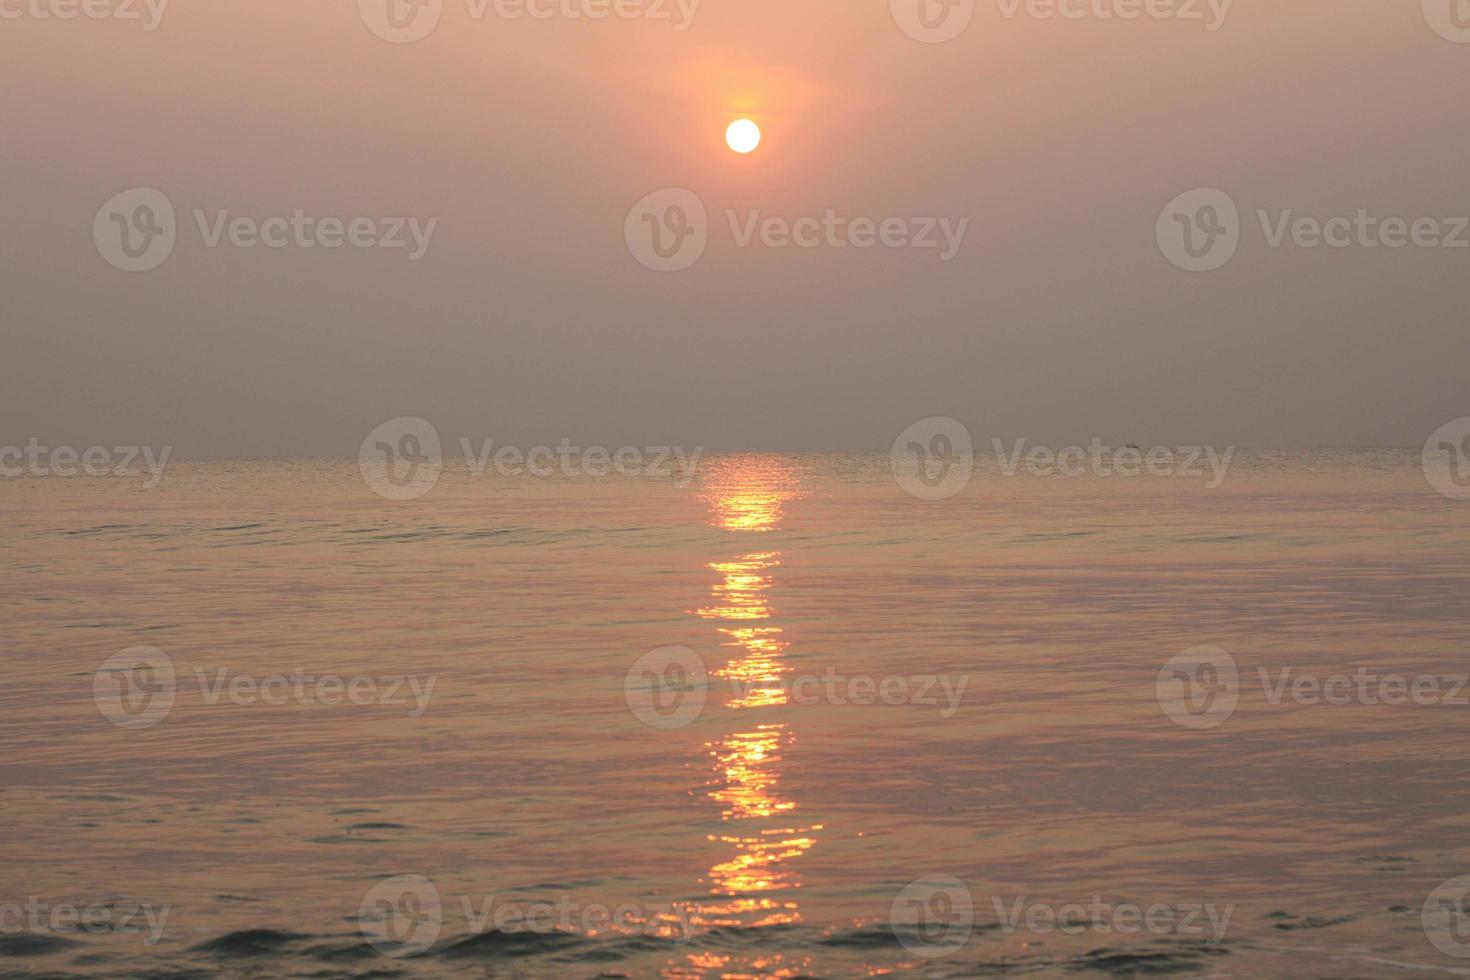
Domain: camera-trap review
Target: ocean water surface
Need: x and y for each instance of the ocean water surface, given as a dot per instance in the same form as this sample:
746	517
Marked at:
787	720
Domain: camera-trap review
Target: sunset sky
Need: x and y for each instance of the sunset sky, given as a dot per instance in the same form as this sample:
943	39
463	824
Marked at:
528	320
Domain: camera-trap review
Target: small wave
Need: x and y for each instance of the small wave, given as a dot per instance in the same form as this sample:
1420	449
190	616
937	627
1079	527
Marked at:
1313	922
377	826
1125	963
738	937
1222	538
99	529
30	944
344	839
495	944
250	942
869	937
343	952
622	948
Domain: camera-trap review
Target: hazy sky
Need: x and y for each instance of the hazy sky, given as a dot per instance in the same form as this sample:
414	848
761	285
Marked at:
528	318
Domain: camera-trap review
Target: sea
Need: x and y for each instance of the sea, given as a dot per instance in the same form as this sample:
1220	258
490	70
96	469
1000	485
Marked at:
800	715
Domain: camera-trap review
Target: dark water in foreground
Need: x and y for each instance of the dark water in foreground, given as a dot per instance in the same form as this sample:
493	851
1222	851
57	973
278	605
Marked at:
444	736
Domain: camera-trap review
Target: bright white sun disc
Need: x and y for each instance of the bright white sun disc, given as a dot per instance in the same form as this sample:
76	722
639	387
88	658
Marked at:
743	136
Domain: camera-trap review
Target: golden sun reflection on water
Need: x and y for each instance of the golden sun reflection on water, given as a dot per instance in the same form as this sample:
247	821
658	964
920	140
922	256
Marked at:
747	495
746	764
740	603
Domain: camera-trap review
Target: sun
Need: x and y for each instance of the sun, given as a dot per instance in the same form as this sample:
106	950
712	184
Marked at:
743	136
